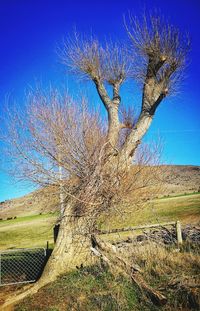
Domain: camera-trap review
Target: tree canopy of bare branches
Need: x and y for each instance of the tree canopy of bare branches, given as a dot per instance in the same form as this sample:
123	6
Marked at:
63	142
155	55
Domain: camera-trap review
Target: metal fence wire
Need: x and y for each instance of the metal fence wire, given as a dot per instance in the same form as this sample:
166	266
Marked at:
21	265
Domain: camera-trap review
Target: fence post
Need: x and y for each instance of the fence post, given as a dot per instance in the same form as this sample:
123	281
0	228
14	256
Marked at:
55	232
179	233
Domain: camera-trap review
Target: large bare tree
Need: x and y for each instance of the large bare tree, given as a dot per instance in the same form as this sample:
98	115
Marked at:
66	145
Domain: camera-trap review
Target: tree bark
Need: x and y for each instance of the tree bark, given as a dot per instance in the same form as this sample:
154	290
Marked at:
72	248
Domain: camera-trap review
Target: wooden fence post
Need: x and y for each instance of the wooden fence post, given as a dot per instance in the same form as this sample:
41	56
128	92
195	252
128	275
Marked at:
179	233
55	232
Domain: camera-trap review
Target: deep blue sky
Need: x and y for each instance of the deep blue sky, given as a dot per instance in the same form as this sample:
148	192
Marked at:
30	31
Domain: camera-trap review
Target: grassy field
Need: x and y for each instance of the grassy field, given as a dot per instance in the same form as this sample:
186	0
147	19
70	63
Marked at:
36	230
184	208
29	231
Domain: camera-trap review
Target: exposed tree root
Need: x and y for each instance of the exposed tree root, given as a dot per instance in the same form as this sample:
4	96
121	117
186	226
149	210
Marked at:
25	292
107	252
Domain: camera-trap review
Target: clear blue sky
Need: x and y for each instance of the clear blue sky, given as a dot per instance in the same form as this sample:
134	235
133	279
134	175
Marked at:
30	31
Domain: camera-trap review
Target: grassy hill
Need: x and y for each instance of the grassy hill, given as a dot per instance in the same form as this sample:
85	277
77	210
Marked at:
36	230
40	201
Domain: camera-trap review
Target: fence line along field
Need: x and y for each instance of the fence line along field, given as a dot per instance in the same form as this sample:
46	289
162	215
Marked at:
36	230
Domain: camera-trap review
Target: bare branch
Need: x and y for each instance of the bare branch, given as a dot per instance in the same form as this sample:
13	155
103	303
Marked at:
162	50
88	57
108	63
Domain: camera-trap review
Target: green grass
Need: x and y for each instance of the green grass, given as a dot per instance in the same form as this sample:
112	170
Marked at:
184	208
26	218
180	195
29	231
91	288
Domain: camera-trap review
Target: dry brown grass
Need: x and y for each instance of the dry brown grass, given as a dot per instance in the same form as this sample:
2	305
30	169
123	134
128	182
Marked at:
175	273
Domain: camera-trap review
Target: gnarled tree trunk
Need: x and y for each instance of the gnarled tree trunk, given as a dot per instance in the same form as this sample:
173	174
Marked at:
72	248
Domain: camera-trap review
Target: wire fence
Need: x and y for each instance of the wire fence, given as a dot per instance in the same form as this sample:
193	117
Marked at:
21	265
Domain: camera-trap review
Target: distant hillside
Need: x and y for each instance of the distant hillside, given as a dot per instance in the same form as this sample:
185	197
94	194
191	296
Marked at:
181	178
177	179
40	201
